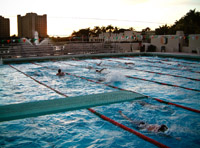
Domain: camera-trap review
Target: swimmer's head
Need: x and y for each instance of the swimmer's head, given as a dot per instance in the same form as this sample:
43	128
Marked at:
142	122
59	70
162	128
142	103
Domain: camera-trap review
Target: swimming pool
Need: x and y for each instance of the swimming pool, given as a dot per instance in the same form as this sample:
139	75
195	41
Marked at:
81	128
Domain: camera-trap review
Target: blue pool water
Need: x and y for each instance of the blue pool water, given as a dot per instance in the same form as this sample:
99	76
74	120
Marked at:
81	128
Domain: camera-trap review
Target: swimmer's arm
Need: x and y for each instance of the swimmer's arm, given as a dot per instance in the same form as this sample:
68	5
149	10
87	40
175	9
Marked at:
169	136
102	69
125	117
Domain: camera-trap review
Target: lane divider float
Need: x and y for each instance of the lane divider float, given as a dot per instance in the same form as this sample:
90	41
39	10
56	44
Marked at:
128	129
167	60
161	83
102	116
132	68
164	67
159	100
161	62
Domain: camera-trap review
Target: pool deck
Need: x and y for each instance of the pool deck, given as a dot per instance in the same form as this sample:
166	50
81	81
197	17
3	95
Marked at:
103	55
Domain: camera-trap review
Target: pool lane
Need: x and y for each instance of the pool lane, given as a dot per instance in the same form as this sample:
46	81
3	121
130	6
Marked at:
159	100
49	110
161	83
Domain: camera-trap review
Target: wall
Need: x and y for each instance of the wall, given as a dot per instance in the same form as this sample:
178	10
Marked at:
194	43
172	43
128	47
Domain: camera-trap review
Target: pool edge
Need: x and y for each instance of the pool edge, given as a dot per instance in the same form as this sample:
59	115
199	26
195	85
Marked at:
102	55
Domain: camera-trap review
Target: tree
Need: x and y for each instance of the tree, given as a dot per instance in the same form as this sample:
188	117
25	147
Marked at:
145	30
109	29
131	29
96	31
162	30
103	29
116	30
190	24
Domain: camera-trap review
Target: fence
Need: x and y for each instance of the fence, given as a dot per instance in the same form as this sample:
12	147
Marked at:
25	50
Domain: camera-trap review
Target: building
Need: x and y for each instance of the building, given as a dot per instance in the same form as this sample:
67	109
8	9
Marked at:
31	23
177	43
168	43
194	43
4	27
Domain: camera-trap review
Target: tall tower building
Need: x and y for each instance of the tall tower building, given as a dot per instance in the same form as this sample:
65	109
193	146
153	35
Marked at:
4	27
30	23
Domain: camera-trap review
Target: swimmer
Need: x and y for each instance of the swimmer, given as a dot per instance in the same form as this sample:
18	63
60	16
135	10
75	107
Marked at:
100	70
101	79
143	103
155	128
129	63
98	64
60	73
161	130
90	67
155	107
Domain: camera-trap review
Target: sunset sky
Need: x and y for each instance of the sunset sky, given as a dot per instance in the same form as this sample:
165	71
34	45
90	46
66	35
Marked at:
64	16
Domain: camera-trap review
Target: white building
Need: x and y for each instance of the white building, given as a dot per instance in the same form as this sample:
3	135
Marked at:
194	43
168	43
177	43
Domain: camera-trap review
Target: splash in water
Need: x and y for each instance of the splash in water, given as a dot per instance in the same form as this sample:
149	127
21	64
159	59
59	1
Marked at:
114	76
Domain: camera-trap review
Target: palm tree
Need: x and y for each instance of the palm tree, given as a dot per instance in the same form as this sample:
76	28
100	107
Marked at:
147	29
116	30
103	29
96	31
162	30
131	29
109	29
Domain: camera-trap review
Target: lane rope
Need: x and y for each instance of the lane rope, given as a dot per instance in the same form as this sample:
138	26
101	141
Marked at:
36	80
148	139
167	60
161	83
163	67
160	62
132	68
159	100
128	129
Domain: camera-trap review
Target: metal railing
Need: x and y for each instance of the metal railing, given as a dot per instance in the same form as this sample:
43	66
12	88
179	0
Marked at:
26	50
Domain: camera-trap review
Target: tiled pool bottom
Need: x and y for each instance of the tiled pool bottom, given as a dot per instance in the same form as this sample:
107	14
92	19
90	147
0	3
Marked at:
81	128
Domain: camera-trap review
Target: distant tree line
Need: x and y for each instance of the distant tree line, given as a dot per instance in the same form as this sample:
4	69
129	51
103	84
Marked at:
98	30
190	24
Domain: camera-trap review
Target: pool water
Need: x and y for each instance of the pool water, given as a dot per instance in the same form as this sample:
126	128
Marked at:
81	128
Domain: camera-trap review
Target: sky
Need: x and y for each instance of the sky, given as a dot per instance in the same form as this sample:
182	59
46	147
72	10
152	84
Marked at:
66	16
